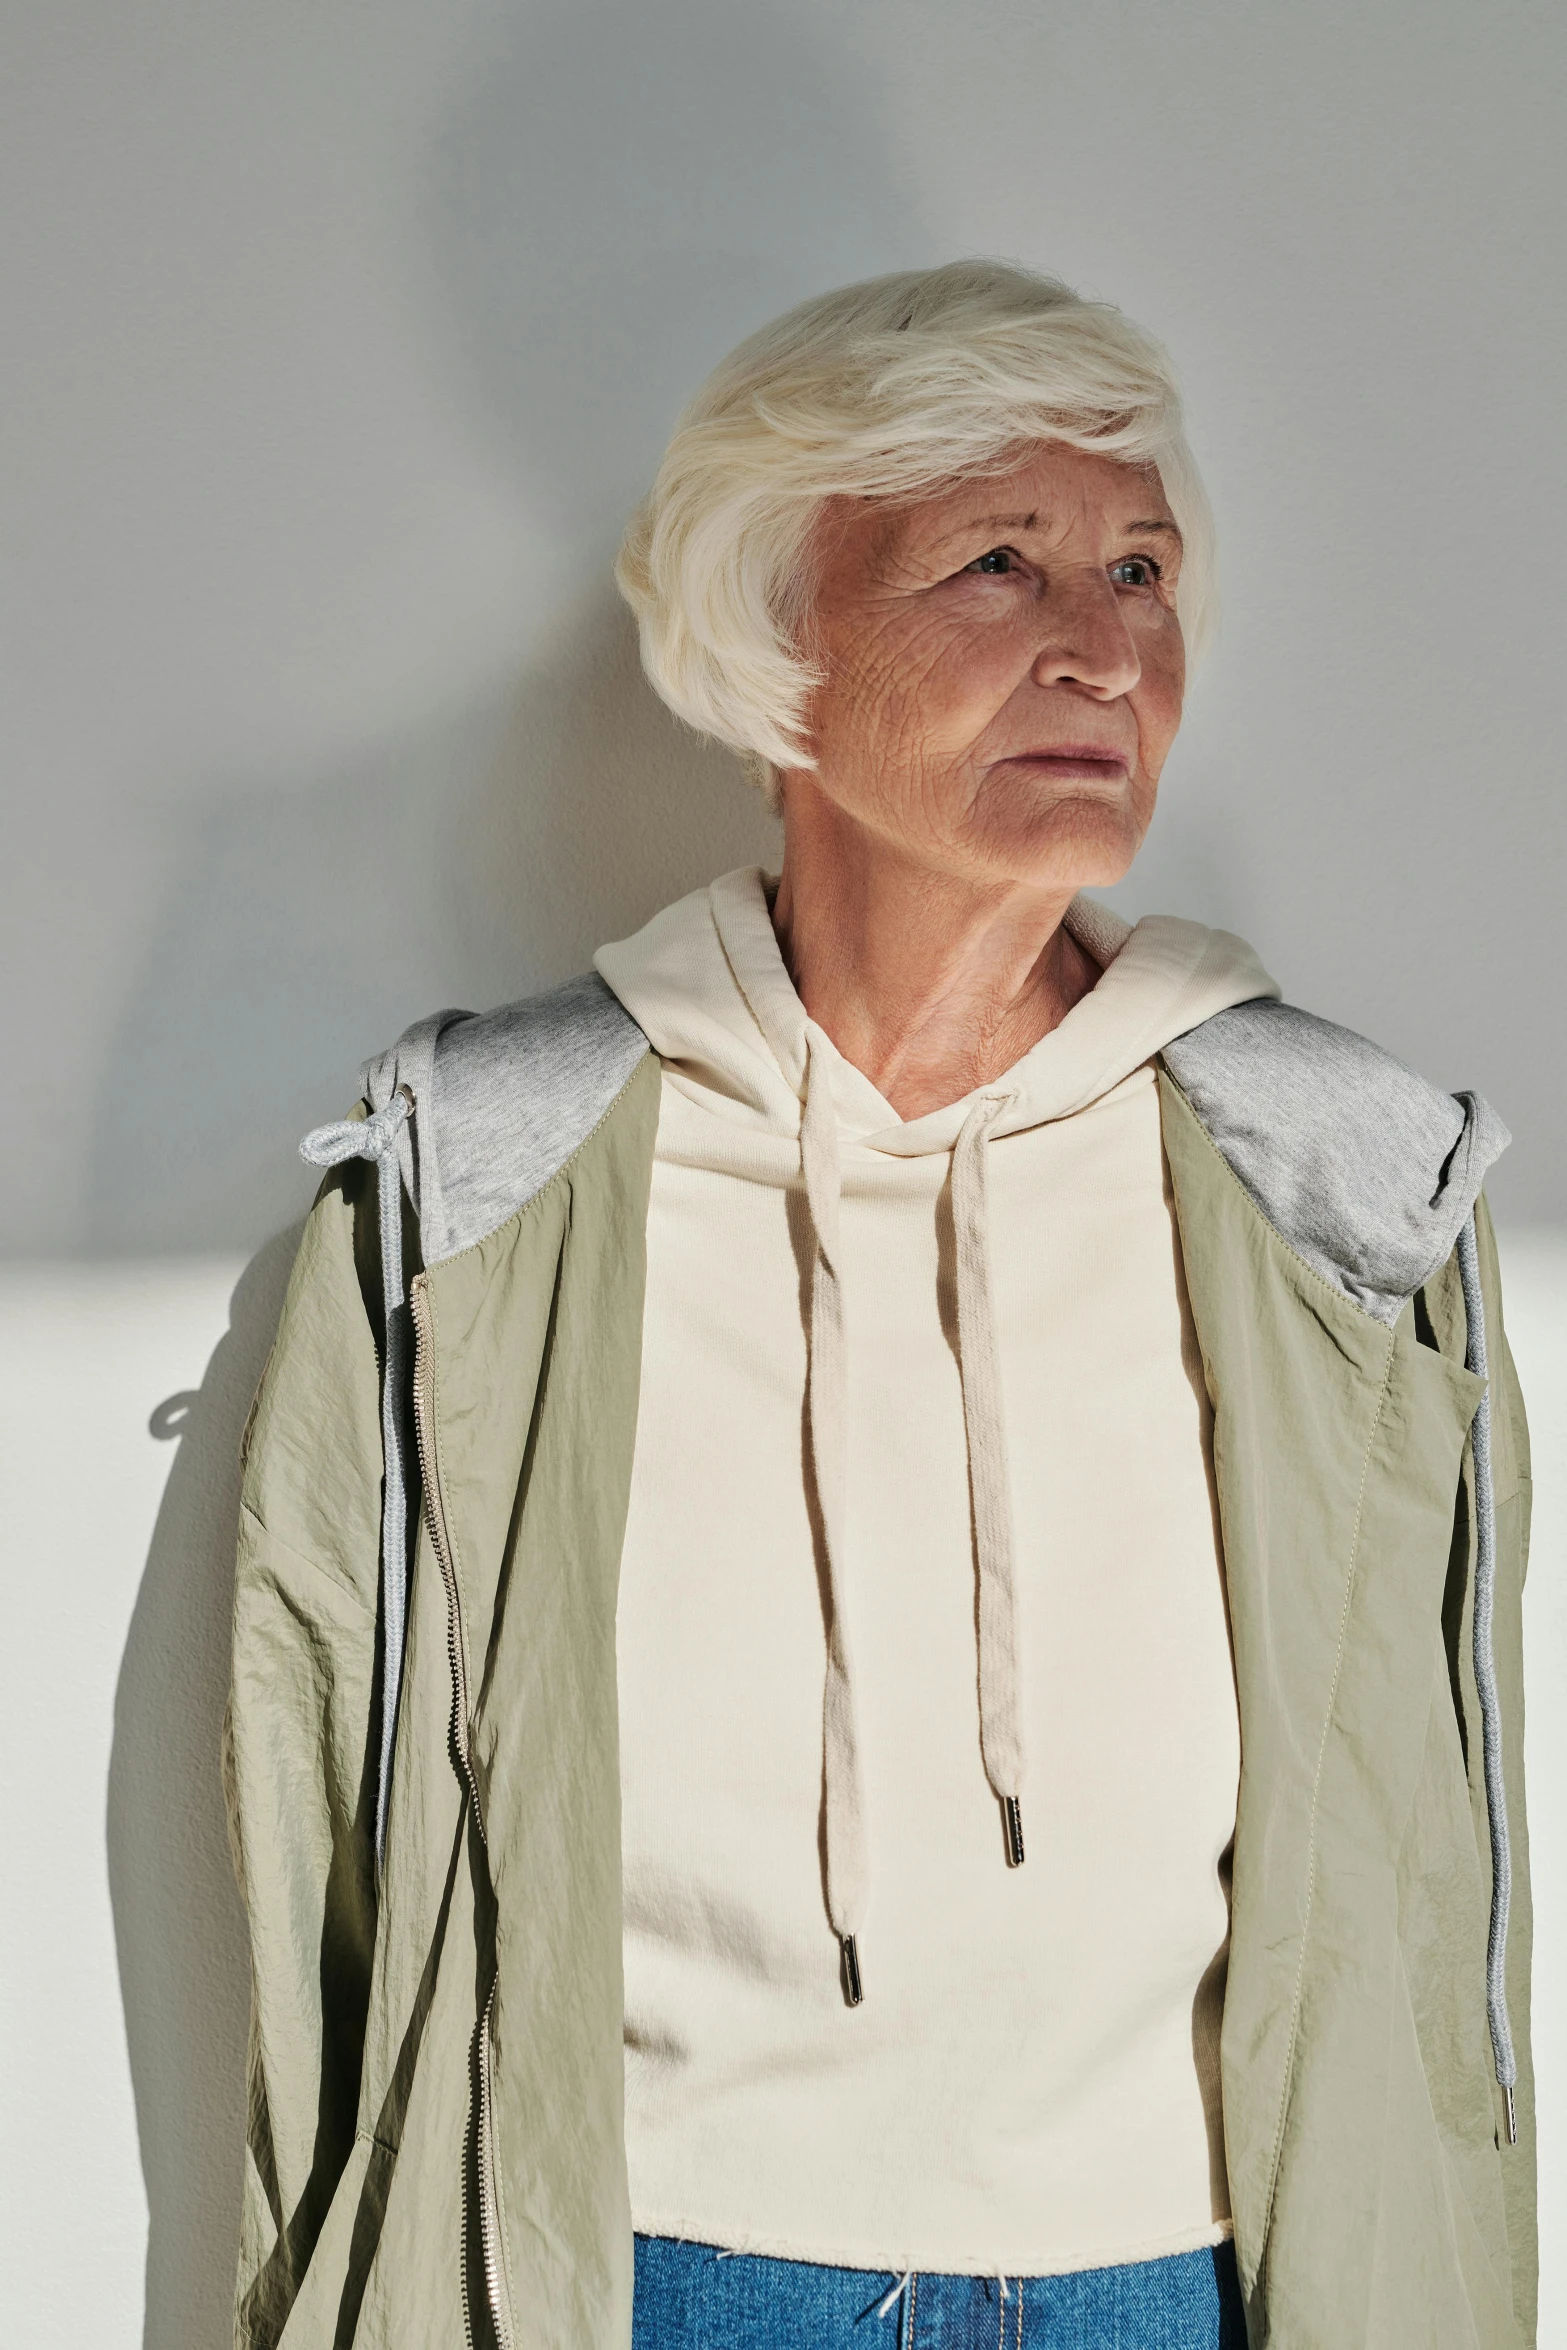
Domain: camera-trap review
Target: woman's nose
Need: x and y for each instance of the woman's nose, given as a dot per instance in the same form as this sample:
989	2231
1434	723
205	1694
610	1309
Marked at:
1085	640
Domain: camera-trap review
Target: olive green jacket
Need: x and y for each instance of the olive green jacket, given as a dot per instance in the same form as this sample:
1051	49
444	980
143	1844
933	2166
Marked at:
436	2133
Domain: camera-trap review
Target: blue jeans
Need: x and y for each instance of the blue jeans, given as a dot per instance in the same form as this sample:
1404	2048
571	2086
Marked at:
690	2297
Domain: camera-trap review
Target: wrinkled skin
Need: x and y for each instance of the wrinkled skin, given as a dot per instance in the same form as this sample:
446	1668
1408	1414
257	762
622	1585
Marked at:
1002	677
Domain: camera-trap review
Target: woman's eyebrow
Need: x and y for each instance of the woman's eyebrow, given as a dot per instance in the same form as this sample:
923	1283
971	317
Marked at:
1153	525
988	522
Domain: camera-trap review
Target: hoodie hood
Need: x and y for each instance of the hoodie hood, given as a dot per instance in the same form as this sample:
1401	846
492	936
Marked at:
706	983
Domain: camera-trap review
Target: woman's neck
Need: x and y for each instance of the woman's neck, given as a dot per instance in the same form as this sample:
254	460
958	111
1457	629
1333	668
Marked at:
930	983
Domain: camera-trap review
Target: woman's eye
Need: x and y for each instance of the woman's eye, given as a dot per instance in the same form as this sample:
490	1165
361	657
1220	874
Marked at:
1137	571
994	565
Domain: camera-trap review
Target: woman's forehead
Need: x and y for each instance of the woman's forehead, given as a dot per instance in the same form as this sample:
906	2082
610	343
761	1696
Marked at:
1046	481
1048	490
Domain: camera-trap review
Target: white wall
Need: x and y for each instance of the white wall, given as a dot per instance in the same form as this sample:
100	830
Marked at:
338	341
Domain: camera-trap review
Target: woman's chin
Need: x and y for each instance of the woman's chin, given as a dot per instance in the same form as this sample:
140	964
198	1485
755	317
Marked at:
1081	844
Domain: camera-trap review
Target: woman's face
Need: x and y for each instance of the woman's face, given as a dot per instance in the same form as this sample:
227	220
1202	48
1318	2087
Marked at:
1003	669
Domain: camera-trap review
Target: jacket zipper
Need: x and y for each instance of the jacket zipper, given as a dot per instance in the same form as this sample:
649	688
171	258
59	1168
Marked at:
440	1539
489	2192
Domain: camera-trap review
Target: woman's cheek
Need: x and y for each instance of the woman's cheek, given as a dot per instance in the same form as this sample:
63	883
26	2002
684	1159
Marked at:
1164	660
984	669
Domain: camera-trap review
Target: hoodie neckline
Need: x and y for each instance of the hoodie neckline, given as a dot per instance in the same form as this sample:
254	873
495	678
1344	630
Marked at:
1158	978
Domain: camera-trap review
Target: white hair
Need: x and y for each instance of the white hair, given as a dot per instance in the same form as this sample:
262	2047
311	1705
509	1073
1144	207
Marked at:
896	388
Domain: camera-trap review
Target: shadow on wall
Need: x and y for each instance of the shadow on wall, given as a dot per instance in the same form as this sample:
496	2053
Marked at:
622	194
616	199
312	919
179	1931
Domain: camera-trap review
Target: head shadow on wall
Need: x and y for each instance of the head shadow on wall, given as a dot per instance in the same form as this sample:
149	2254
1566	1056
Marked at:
612	199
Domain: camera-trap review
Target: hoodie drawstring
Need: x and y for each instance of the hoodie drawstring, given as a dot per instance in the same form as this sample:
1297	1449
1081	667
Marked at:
1000	1728
827	1399
1001	1737
375	1138
1485	1684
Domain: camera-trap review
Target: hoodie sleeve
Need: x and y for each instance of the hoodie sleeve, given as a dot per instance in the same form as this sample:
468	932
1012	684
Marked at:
299	1760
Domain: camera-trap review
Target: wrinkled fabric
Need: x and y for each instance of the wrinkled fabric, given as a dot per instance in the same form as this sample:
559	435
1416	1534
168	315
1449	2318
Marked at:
1372	2202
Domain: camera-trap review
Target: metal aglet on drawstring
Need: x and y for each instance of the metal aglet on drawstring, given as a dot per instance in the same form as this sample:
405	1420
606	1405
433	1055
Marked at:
1012	1814
853	1988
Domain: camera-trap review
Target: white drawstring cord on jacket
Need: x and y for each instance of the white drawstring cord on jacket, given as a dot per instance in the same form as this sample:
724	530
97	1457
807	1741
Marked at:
1502	2050
375	1138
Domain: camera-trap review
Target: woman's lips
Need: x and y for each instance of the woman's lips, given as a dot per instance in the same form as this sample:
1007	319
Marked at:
1073	761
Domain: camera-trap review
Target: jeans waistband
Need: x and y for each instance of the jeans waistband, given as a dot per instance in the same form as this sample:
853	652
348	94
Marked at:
696	2297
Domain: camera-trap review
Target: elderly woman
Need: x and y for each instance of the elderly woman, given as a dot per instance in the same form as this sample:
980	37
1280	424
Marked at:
883	1704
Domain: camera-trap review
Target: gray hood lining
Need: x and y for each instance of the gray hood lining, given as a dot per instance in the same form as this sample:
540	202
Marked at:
1367	1171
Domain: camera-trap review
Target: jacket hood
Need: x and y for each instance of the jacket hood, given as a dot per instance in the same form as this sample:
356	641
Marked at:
706	983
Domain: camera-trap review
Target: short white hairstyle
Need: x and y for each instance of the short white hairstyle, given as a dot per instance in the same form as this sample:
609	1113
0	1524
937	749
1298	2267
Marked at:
895	388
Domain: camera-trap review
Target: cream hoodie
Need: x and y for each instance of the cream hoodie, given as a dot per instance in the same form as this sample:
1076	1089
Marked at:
921	1519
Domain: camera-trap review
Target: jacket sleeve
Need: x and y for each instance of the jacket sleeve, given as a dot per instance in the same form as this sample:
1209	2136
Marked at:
299	1757
1510	1449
